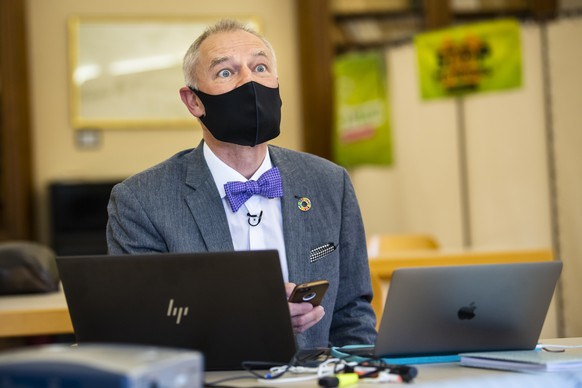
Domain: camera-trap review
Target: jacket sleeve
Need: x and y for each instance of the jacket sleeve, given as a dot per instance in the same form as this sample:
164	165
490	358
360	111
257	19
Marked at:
354	320
129	229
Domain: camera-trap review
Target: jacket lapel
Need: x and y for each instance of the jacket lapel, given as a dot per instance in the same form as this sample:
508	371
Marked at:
295	227
205	203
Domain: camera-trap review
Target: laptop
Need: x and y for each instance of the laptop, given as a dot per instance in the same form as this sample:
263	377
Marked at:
231	306
440	311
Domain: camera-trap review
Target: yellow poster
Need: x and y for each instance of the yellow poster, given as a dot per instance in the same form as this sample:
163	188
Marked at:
468	59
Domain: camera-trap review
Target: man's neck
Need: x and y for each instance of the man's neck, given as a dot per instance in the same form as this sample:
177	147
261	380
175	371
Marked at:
245	160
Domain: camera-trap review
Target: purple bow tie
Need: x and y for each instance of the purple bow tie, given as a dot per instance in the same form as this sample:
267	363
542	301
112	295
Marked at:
268	185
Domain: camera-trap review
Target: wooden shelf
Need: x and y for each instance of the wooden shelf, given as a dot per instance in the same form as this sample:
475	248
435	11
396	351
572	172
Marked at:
354	7
391	15
372	32
479	6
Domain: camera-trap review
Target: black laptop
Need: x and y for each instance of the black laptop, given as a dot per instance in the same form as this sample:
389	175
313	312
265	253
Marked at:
231	306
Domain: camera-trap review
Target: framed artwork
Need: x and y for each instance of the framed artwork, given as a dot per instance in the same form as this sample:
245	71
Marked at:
125	72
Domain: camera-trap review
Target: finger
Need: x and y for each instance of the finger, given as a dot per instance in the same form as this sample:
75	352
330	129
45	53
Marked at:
289	289
298	309
303	322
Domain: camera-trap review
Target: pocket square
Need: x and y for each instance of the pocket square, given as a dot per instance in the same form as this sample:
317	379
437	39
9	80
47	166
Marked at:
319	252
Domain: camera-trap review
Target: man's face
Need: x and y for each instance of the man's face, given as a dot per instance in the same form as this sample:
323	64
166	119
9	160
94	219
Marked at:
231	59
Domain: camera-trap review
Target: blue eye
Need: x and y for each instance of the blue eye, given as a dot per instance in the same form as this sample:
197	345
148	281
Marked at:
224	73
261	68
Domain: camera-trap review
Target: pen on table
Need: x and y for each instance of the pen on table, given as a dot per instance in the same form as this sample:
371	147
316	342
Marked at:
339	380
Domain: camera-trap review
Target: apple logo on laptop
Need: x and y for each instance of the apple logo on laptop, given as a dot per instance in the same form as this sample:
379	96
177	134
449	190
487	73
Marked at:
467	312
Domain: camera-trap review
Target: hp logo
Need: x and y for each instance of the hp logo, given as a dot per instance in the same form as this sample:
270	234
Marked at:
177	312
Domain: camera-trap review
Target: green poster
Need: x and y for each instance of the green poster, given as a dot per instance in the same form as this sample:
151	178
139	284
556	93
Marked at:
362	121
469	59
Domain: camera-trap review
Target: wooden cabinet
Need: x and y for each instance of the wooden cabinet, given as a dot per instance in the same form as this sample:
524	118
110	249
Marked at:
330	27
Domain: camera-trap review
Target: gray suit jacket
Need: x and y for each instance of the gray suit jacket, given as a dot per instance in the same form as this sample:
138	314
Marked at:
175	207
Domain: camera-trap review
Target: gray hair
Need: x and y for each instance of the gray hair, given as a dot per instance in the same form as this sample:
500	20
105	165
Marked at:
192	56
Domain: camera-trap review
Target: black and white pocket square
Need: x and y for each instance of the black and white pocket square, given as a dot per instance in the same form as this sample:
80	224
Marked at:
320	252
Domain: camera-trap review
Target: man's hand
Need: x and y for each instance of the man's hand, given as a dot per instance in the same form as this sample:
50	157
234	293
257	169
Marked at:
303	315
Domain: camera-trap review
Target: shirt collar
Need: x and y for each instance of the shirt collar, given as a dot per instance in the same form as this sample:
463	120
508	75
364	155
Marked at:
223	173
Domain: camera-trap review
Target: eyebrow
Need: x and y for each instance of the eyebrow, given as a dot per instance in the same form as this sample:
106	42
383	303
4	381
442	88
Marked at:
262	53
217	61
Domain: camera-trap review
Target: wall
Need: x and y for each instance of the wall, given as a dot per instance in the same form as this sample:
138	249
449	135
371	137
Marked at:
124	152
565	62
504	143
523	164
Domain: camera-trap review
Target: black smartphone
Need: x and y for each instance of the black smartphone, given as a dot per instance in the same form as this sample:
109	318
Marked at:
311	292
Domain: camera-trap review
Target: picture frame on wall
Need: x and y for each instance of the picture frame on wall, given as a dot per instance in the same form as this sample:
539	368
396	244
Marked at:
125	72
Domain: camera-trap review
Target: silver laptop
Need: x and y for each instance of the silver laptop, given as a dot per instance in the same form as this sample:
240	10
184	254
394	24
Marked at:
231	306
453	309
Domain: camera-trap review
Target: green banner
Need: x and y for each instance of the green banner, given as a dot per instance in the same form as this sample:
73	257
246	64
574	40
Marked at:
469	59
362	122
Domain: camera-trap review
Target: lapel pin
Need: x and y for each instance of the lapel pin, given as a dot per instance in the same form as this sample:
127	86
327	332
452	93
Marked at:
304	204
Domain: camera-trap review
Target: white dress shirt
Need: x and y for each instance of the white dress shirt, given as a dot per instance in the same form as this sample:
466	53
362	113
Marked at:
268	232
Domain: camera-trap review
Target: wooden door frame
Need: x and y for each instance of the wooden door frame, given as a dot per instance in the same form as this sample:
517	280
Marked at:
15	151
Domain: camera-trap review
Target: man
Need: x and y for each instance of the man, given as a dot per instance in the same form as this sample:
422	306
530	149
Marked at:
188	203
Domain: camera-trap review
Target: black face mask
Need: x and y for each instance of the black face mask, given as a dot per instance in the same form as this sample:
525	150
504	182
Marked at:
248	115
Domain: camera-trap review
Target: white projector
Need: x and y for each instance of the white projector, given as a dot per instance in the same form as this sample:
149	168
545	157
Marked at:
101	365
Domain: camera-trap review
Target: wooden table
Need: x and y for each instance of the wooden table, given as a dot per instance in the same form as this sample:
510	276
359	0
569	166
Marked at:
34	314
384	265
